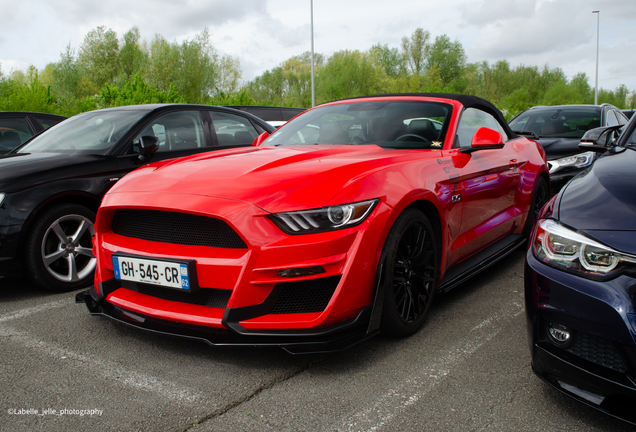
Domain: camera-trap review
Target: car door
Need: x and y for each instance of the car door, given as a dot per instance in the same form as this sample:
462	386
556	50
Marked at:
14	131
231	130
488	187
180	133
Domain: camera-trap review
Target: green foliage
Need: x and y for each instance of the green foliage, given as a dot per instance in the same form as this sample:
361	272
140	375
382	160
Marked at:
98	59
347	74
33	96
109	72
136	91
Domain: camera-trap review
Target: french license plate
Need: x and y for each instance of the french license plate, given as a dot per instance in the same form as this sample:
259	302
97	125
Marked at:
166	273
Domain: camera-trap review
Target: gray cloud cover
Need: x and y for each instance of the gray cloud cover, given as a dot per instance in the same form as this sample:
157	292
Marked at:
264	33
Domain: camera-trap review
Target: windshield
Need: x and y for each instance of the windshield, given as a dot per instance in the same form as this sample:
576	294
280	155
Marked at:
91	132
631	140
392	124
558	122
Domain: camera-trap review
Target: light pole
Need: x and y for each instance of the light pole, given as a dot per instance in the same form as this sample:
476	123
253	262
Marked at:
598	19
313	90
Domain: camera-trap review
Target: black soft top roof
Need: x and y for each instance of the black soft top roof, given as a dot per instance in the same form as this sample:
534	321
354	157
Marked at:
466	100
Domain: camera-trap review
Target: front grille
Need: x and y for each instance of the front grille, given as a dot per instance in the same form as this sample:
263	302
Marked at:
305	296
176	228
210	297
597	350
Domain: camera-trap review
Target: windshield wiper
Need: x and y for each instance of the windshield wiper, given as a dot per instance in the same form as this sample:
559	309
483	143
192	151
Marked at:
528	133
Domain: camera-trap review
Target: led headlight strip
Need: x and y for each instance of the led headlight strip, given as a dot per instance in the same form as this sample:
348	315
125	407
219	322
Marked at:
323	219
561	247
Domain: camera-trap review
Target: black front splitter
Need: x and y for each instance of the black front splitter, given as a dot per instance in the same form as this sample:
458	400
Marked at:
330	339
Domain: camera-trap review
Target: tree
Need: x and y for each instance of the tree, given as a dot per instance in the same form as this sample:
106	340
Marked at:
448	57
132	58
415	50
346	74
98	58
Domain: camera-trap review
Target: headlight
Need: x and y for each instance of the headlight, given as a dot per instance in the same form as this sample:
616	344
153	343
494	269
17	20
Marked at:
581	160
324	219
1	198
563	248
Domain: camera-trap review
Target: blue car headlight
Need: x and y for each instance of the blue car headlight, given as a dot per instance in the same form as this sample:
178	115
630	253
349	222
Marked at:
560	247
323	219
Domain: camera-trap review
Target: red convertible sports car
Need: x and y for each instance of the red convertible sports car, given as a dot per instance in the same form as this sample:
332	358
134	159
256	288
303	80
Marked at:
344	222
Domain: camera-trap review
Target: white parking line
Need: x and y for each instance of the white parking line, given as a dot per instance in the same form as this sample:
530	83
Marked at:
107	370
395	401
35	309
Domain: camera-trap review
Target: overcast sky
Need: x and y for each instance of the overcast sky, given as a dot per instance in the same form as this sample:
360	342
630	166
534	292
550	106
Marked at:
264	33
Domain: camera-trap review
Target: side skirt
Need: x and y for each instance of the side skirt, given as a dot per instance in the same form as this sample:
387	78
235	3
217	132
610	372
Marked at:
480	261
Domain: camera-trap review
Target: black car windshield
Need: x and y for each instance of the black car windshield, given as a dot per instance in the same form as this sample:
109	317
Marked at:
91	132
558	122
391	124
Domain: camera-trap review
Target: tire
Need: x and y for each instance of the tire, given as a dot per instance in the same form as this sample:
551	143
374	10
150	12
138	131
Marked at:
410	274
58	250
540	196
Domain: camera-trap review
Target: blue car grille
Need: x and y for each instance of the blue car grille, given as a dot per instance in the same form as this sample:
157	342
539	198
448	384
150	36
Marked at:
597	350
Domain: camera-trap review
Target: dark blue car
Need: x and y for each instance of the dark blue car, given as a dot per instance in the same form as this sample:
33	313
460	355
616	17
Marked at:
580	280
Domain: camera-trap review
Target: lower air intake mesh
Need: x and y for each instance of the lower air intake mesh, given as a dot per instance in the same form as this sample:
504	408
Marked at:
176	228
305	296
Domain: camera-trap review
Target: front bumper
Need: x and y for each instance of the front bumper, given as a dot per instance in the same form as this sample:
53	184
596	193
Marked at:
334	338
9	264
243	293
598	366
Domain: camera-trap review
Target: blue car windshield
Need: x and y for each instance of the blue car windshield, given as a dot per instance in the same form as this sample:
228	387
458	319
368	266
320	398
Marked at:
390	124
91	132
630	141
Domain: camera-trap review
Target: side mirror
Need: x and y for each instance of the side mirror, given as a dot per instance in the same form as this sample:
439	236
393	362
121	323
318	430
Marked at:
259	139
598	139
484	139
148	146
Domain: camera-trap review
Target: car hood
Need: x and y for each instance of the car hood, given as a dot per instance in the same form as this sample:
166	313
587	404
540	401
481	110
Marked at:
273	178
602	201
556	148
22	170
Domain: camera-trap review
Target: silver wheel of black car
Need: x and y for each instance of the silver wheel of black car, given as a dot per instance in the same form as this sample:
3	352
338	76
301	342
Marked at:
410	274
59	249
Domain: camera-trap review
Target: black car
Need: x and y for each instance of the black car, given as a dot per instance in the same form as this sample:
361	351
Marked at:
580	281
276	116
51	187
17	127
559	130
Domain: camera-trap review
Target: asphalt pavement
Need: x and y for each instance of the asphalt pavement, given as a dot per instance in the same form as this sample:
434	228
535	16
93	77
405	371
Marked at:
468	369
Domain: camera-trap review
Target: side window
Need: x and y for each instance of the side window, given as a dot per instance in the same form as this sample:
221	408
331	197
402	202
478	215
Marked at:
176	131
13	132
611	119
47	122
621	118
471	120
232	130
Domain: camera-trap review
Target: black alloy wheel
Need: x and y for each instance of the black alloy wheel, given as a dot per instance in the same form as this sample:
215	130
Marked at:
540	196
410	274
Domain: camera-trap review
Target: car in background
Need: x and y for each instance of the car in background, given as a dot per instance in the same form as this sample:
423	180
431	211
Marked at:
347	220
51	186
628	112
580	281
559	129
16	127
276	116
